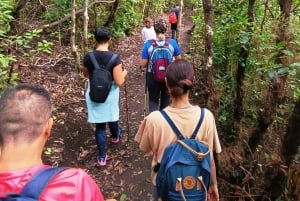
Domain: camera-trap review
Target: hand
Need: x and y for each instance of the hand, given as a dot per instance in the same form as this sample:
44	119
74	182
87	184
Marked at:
213	193
149	153
124	72
142	69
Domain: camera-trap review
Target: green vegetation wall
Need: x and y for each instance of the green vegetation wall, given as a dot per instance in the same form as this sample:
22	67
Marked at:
256	68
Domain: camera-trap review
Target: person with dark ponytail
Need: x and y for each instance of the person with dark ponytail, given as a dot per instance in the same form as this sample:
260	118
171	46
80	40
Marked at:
155	134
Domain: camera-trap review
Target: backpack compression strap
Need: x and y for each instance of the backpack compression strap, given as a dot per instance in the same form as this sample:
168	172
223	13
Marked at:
175	129
108	65
38	182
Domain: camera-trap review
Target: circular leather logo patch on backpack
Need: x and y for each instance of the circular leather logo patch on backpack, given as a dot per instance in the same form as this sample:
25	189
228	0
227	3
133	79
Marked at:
189	182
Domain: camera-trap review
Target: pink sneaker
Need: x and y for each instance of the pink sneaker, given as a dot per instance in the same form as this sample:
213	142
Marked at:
115	140
102	161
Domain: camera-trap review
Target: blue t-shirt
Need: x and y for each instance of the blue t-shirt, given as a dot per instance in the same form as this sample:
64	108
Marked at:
176	11
148	48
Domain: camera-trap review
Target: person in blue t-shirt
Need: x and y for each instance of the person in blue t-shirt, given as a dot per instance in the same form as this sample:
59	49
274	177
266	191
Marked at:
174	26
158	92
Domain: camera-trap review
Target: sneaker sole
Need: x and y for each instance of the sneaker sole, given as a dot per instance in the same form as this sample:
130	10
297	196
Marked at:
115	141
102	163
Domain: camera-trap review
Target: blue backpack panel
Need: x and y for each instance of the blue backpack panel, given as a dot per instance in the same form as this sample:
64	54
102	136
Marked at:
185	170
34	188
160	59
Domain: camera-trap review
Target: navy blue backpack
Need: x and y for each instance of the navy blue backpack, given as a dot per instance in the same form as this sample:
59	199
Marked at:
185	170
34	188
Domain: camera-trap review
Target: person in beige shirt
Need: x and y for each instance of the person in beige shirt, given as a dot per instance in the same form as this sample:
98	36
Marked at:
155	134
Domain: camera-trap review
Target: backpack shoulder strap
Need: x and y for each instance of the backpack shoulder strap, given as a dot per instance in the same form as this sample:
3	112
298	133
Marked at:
167	42
108	65
153	43
94	61
38	182
171	123
110	62
175	129
199	123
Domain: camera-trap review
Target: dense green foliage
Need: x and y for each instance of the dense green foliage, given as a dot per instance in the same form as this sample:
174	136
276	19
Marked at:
128	18
11	44
231	34
6	8
57	9
266	63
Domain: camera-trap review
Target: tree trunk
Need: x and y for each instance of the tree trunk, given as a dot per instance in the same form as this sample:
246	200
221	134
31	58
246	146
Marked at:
275	94
16	13
243	56
145	10
290	146
208	57
291	141
73	37
179	20
85	26
113	13
148	8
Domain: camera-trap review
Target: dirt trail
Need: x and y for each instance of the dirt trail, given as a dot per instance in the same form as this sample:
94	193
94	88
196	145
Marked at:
136	178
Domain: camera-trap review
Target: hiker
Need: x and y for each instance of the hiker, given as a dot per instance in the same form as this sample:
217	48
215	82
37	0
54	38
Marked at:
148	32
25	126
175	9
107	112
158	95
155	134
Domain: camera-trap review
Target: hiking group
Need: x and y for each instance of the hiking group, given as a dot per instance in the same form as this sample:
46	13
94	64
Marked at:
181	137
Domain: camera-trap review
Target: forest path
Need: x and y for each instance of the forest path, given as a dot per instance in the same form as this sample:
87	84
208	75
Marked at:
132	110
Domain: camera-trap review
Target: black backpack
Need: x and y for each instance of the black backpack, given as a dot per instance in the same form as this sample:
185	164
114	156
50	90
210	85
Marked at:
35	186
100	79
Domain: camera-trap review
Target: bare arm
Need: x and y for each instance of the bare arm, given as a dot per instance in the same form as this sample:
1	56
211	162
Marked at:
85	71
144	63
177	57
213	193
119	75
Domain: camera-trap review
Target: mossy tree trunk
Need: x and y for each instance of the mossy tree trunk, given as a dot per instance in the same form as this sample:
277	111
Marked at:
73	37
242	65
208	72
275	96
276	90
113	13
291	141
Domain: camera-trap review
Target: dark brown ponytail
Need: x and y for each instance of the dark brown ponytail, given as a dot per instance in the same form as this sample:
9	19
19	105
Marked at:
180	78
